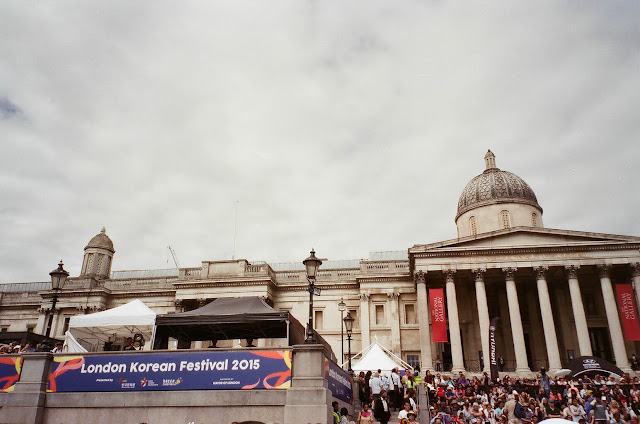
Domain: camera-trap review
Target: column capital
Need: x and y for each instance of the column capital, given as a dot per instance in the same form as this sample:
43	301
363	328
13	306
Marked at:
450	273
604	270
364	297
479	274
509	273
541	272
572	271
393	295
420	277
635	269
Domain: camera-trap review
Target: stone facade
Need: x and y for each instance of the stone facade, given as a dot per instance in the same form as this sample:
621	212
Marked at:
552	289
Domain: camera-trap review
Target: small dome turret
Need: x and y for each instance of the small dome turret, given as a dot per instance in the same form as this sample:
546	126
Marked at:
98	256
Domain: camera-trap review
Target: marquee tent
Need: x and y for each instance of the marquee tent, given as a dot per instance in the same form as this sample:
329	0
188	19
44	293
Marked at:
228	318
93	330
377	357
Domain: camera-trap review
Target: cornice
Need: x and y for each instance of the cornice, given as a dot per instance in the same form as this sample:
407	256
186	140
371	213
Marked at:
121	295
385	278
305	287
527	249
62	294
237	283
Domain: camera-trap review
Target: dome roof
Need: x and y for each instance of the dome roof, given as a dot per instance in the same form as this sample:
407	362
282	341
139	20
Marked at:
101	241
495	186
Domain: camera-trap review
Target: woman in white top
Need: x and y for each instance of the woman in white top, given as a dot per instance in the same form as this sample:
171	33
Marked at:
577	411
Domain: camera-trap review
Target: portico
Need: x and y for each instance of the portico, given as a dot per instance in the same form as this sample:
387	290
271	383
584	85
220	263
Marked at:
527	277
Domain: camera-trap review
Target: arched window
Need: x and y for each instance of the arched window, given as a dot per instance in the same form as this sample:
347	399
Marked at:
534	219
472	225
504	219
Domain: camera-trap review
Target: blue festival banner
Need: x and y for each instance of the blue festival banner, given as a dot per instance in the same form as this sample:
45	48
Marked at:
10	369
339	382
175	370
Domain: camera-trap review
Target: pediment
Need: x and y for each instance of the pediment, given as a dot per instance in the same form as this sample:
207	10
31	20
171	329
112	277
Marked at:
521	237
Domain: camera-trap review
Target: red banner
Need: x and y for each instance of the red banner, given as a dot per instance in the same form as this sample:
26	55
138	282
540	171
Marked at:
438	315
628	312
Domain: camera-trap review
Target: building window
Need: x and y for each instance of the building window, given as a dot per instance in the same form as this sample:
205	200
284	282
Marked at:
534	219
65	327
379	314
4	329
472	224
413	360
410	314
318	321
354	314
30	328
504	218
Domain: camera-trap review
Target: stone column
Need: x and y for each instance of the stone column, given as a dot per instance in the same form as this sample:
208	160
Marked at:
483	317
308	400
41	326
424	314
457	357
550	337
584	342
26	403
636	282
395	322
364	319
522	365
615	329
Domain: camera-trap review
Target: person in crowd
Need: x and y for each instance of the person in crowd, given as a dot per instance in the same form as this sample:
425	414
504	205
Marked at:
344	416
375	383
544	381
577	411
398	390
129	344
382	408
365	416
411	417
57	348
402	415
28	348
250	343
336	412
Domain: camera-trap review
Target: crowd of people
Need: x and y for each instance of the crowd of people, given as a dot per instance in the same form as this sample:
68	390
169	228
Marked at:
391	397
15	347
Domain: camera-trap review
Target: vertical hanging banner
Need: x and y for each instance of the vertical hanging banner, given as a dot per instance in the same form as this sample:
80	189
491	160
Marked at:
628	312
493	358
438	316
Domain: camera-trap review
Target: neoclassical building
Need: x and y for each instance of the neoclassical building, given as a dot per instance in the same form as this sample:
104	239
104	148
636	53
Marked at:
552	290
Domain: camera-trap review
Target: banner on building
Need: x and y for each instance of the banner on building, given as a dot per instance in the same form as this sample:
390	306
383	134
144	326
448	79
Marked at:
10	368
493	357
628	312
175	370
338	382
438	315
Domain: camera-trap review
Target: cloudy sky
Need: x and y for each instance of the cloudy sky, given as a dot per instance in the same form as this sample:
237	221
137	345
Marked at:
349	127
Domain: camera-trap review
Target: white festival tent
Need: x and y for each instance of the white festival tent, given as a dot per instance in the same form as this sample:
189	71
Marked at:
376	357
113	325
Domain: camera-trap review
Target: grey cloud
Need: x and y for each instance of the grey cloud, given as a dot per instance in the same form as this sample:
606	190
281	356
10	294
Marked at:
154	120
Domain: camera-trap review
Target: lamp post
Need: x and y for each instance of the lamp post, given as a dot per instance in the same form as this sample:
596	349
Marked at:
58	278
348	324
312	264
342	307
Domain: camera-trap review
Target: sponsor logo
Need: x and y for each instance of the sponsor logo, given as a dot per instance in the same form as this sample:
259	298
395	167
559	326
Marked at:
171	381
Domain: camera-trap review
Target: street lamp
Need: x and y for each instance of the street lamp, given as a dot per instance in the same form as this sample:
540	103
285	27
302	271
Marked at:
342	307
348	324
312	264
58	278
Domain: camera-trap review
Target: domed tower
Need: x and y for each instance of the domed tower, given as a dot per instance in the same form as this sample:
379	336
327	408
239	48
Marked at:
495	200
97	257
